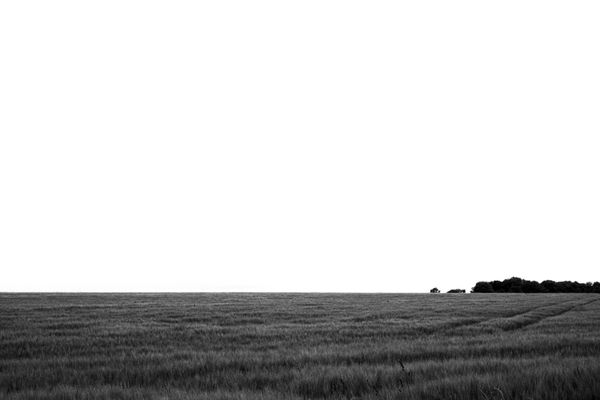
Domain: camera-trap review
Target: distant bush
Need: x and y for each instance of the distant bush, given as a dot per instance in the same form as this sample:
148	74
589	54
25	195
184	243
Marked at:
457	291
434	290
518	285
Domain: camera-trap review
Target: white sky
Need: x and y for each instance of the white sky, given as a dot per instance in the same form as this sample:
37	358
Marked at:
308	145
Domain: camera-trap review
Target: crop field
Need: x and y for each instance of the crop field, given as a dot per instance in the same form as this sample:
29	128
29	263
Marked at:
299	346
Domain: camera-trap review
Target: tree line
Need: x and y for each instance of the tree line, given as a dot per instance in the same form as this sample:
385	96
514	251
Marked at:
518	285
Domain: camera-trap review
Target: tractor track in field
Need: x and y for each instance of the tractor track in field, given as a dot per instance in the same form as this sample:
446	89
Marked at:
517	320
488	322
534	316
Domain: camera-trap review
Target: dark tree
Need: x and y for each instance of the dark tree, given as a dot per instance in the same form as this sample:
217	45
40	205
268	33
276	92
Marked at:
482	287
434	290
497	286
533	287
514	285
550	286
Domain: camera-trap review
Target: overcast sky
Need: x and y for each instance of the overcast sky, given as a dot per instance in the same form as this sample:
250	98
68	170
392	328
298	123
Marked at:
309	145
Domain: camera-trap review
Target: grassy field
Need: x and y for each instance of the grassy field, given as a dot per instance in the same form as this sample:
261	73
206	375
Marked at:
299	346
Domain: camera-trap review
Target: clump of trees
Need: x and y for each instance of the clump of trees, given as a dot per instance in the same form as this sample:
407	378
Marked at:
518	285
436	290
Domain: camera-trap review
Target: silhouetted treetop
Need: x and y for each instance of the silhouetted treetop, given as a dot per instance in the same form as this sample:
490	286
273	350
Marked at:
482	287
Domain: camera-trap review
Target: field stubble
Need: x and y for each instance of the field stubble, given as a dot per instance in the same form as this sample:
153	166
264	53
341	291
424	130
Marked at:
299	346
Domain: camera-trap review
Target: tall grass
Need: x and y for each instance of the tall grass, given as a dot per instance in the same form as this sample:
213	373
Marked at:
299	346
